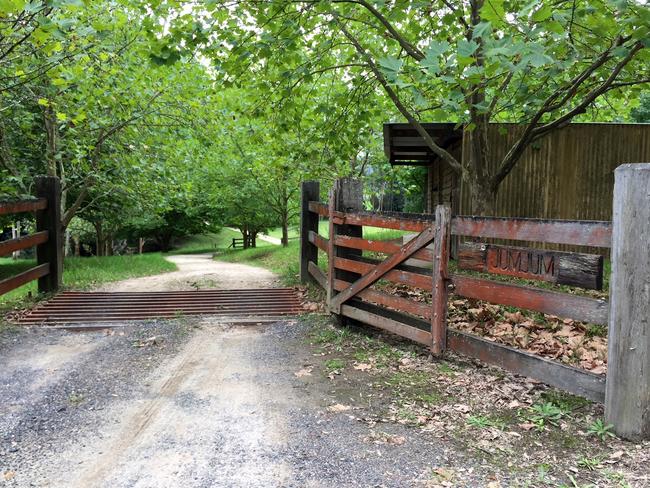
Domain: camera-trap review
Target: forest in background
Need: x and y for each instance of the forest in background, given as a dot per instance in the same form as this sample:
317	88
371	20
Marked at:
166	119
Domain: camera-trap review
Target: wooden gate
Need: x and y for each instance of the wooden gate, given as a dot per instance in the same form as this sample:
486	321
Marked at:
353	269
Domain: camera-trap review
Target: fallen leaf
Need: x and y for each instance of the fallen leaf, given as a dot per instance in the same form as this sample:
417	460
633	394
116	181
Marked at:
396	440
362	366
303	372
338	408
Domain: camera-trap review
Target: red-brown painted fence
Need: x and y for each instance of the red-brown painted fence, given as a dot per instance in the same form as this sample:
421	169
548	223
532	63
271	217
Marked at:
426	322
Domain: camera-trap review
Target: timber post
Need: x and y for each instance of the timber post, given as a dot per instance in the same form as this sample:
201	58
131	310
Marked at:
627	395
439	293
49	219
308	222
346	196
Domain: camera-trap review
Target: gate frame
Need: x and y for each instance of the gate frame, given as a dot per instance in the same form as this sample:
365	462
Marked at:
631	384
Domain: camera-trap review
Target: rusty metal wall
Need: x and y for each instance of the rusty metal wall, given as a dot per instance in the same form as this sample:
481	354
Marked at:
567	175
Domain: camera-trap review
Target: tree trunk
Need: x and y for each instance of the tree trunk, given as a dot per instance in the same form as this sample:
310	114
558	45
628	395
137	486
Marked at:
100	239
483	198
285	231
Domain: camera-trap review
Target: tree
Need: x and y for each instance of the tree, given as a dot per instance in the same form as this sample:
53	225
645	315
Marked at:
539	64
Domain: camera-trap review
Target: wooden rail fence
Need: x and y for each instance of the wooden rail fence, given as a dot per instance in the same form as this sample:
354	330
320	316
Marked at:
47	238
351	276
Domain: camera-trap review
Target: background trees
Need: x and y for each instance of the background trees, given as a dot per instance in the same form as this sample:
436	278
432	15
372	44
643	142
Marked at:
537	64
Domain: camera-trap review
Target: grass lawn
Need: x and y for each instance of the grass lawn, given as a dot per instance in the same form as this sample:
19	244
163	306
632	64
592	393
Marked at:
207	243
84	273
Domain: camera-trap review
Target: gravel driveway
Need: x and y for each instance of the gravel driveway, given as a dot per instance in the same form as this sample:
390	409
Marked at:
195	402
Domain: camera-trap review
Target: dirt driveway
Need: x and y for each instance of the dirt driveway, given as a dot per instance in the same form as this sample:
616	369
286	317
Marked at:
298	403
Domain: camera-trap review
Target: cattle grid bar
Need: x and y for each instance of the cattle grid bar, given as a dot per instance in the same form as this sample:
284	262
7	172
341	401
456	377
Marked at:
88	307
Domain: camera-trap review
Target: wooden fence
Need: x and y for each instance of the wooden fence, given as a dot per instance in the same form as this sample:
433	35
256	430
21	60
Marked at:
47	238
350	278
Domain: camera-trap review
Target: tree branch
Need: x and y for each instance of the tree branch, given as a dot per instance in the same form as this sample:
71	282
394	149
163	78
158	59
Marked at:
439	151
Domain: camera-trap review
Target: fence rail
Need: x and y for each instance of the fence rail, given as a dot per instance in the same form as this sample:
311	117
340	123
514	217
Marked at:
351	277
47	238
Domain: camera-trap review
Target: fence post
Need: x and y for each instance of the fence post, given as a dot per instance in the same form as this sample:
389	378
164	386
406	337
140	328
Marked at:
439	296
51	252
308	222
627	397
346	196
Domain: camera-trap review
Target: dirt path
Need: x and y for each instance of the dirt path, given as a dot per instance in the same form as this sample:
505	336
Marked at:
194	402
199	271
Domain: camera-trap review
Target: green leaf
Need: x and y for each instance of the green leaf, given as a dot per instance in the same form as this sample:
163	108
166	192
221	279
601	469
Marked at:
543	13
493	11
466	48
482	29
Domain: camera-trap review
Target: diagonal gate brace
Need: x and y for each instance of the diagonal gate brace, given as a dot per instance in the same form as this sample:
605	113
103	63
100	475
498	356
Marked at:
405	252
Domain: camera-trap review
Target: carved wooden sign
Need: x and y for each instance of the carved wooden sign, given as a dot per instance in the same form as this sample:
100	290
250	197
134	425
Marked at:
564	268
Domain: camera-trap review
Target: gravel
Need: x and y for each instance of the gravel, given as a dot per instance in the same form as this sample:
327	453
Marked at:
202	405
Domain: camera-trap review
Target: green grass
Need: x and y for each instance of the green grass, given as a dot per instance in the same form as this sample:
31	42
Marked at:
284	261
294	232
84	273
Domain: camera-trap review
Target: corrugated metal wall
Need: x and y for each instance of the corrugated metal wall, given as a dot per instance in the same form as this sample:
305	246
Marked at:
567	175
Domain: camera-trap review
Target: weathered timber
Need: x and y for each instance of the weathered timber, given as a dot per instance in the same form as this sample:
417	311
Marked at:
24	242
379	321
573	380
553	303
23	278
578	232
349	198
8	208
385	247
319	241
308	223
562	268
395	275
574	232
627	404
330	246
318	275
49	220
439	274
377	272
395	302
319	208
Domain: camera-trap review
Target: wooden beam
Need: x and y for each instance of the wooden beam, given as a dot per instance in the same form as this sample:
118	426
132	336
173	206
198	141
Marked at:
8	208
562	268
391	301
318	275
384	247
23	278
49	219
319	208
377	272
412	333
439	296
573	380
574	232
319	241
24	242
395	275
310	190
560	304
627	405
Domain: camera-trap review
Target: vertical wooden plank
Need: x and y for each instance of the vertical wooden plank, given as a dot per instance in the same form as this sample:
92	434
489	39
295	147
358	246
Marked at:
627	397
349	198
331	247
308	222
49	220
439	296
